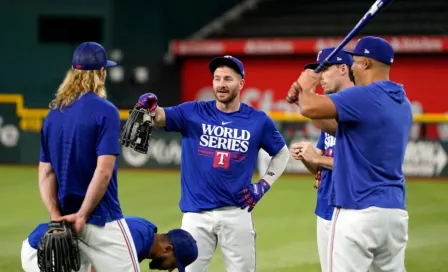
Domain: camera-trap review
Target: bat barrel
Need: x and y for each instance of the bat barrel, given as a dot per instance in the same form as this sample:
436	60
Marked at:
374	9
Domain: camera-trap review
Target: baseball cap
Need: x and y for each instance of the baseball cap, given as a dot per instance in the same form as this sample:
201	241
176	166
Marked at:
184	246
227	60
374	47
90	56
342	57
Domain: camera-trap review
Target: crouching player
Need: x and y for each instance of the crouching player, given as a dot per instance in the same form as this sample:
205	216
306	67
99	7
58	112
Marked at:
167	251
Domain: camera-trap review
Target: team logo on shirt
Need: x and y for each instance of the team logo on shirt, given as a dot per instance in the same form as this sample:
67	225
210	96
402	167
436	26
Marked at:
330	141
224	144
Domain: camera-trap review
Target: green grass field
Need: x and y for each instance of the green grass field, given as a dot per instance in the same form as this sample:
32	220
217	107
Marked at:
284	219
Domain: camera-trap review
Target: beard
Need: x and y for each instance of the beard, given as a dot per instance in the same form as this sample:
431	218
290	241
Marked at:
225	95
156	263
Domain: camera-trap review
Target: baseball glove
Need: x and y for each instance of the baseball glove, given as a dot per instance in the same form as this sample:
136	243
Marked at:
58	249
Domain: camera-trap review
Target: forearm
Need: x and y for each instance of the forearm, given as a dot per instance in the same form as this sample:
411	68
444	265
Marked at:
160	118
327	125
276	166
312	167
316	106
324	161
95	191
48	189
307	101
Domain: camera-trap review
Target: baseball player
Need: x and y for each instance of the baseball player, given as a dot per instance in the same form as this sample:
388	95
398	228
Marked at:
78	166
319	161
370	222
167	251
220	144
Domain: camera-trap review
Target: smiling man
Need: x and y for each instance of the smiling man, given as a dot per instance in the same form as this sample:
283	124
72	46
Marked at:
221	139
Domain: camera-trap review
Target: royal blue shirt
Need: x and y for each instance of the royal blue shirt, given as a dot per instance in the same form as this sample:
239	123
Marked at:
142	232
71	141
219	151
323	209
374	123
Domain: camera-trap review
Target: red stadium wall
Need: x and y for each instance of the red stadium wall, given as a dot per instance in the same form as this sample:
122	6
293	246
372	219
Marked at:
268	80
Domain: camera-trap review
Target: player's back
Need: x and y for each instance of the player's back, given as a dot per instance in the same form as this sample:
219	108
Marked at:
72	139
370	151
142	232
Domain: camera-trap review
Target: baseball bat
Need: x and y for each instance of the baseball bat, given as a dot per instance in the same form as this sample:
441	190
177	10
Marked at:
374	10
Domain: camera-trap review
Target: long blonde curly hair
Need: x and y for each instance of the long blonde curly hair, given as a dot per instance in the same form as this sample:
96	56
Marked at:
76	83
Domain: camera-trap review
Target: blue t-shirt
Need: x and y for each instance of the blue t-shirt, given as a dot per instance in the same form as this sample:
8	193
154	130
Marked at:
71	141
374	123
219	151
142	232
323	209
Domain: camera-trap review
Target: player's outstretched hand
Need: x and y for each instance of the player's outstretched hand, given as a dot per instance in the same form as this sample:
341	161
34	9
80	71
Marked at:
148	101
250	195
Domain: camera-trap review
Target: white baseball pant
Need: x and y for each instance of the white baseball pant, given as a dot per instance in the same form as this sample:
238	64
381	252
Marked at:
232	229
370	239
323	238
109	249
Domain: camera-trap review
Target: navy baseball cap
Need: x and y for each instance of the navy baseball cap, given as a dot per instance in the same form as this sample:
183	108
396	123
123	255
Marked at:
184	246
342	57
375	48
91	56
227	60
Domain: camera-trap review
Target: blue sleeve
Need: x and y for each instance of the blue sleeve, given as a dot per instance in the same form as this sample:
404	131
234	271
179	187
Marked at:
43	157
177	116
321	143
352	104
272	140
109	132
36	234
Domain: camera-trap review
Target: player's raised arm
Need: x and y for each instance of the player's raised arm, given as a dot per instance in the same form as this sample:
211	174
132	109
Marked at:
172	118
327	125
350	105
149	101
313	105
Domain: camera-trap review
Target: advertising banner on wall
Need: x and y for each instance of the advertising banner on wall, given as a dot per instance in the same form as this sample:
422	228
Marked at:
426	158
299	46
269	78
422	159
